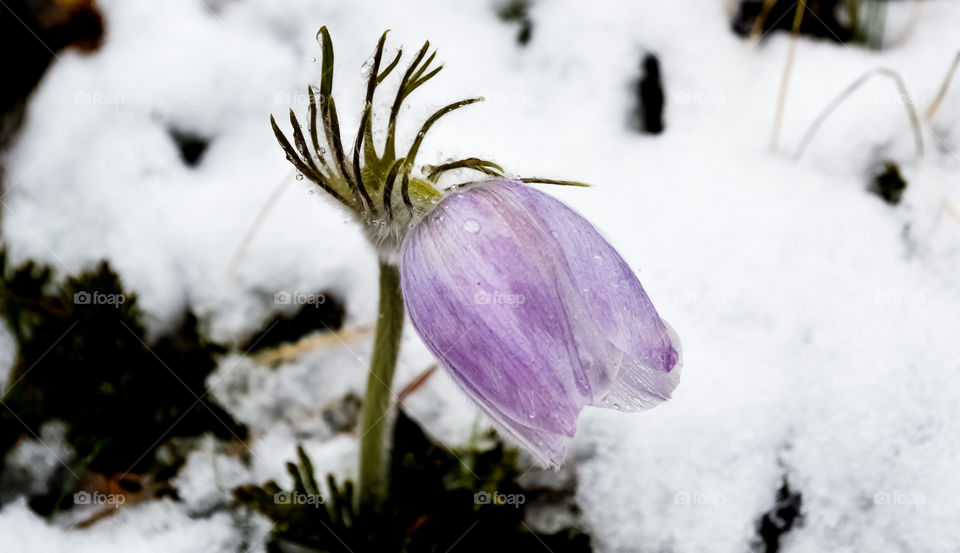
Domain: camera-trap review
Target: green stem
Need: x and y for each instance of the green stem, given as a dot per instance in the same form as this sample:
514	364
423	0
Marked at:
377	420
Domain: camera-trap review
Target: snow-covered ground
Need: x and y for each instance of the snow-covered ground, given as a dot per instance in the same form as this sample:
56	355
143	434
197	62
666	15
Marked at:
821	326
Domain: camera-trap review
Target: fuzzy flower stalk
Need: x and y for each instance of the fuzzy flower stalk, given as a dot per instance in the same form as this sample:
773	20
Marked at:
532	312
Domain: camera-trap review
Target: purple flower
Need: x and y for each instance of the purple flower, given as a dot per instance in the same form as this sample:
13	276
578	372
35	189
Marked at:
534	313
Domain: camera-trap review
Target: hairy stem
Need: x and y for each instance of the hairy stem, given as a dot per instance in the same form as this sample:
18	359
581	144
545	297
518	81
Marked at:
377	419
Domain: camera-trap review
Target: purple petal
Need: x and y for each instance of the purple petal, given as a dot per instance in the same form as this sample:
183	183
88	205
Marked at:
617	309
534	314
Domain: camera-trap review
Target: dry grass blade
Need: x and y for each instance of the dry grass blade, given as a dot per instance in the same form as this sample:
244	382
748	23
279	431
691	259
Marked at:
272	357
935	105
785	79
256	224
415	384
839	99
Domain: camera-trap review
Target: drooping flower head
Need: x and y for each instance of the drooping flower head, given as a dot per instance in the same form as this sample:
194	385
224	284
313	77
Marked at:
531	310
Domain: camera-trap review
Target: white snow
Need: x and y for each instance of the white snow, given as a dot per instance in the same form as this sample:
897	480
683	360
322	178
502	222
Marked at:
160	525
819	324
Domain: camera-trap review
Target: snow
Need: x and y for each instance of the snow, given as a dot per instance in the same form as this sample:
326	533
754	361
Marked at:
158	525
818	323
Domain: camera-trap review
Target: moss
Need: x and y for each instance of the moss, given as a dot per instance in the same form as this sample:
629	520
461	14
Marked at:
439	498
84	359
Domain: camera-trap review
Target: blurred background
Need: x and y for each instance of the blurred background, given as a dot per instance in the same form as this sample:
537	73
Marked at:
187	323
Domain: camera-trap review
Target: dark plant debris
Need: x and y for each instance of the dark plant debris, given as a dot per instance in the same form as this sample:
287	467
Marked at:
518	11
191	146
343	414
648	113
31	34
83	359
439	499
785	515
888	183
819	19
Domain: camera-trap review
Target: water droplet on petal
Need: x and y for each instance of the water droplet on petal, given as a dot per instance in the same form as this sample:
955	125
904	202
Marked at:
554	233
314	60
299	176
472	226
616	406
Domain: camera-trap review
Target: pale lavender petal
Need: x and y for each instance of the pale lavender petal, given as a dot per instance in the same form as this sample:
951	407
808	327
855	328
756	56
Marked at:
533	312
489	309
549	448
616	309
